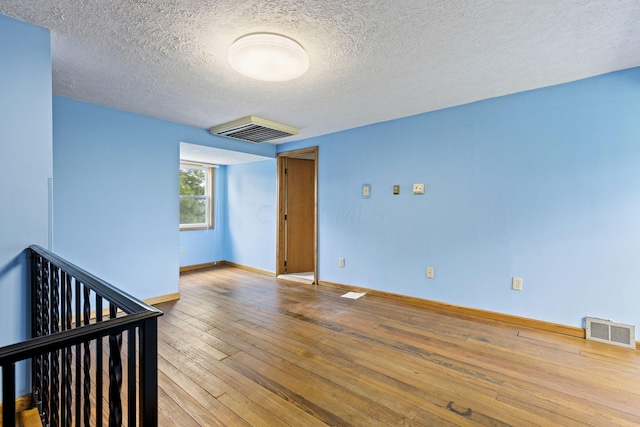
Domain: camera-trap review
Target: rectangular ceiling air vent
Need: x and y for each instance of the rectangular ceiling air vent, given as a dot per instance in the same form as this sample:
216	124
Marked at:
254	129
611	333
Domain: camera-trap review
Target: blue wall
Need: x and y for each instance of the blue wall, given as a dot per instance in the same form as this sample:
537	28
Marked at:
116	193
544	185
25	167
206	246
251	214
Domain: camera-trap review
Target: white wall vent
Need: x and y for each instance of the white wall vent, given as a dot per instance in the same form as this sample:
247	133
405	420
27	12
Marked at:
611	333
254	129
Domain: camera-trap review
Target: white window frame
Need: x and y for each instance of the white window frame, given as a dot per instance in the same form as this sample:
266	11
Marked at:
208	196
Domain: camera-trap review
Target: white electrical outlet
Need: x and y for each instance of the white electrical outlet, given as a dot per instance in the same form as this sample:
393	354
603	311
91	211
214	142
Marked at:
418	188
182	249
429	272
516	283
341	262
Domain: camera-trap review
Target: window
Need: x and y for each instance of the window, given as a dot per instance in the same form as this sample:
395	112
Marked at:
196	201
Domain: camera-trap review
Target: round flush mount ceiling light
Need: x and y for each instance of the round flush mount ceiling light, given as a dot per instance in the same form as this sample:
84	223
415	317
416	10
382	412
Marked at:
268	57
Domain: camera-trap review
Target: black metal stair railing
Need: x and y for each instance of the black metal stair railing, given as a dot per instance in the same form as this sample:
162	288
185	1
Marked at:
73	315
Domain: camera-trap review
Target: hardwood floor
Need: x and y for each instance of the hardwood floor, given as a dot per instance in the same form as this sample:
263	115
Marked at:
242	349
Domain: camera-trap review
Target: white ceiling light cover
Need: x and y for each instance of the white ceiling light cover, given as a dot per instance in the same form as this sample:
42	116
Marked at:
268	57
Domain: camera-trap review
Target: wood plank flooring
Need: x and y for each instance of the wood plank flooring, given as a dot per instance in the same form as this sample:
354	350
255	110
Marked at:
242	349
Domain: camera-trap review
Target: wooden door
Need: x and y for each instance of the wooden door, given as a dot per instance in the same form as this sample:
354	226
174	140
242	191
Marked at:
299	211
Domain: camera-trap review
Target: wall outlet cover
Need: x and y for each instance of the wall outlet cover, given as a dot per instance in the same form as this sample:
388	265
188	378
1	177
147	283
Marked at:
516	283
396	190
418	188
429	272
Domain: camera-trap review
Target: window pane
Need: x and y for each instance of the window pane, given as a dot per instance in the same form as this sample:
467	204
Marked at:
193	182
193	210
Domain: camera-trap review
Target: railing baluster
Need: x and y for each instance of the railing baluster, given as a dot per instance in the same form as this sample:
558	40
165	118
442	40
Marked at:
54	418
99	374
9	394
78	399
67	373
36	326
115	374
149	372
68	357
63	300
131	376
87	360
46	320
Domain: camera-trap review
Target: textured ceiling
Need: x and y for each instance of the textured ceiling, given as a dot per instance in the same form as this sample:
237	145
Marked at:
371	60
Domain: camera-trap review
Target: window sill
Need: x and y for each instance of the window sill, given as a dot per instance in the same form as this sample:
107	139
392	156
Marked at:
203	227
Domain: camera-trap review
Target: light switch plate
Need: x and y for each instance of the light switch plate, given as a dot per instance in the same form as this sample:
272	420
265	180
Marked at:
366	191
396	190
418	188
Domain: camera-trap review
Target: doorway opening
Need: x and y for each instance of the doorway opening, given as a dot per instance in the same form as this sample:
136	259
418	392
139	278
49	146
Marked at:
297	245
